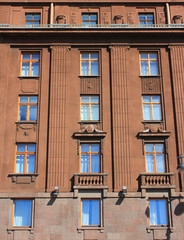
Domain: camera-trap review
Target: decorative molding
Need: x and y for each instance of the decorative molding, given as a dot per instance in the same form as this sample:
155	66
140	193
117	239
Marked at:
130	18
89	131
151	85
90	85
105	18
23	178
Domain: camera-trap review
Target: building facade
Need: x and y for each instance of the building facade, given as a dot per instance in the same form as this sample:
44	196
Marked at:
92	112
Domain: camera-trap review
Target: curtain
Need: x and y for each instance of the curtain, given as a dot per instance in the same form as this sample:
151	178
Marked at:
144	68
22	213
33	113
84	112
84	162
157	112
20	163
160	162
149	163
25	69
158	212
35	69
90	212
94	112
154	68
84	68
94	68
31	163
23	113
147	112
95	163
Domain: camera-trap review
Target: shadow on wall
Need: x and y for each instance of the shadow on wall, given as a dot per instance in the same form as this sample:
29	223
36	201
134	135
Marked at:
179	210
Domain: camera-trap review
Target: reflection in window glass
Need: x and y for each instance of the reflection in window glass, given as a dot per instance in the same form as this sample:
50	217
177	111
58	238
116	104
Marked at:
90	108
91	212
158	212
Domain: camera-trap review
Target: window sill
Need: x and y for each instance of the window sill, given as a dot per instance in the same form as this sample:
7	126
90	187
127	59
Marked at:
161	227
26	122
29	77
145	76
152	121
89	121
80	229
23	178
9	230
88	76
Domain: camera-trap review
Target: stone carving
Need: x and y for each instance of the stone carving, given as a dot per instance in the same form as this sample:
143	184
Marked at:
153	128
90	129
130	19
177	19
105	18
151	85
73	18
161	18
118	19
61	19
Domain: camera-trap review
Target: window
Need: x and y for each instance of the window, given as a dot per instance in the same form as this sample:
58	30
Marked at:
28	108
89	63
90	108
91	212
32	19
30	64
89	19
155	158
90	158
151	108
146	18
149	64
158	212
25	158
22	213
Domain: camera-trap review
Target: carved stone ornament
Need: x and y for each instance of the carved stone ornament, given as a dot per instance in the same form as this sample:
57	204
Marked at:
118	19
61	19
105	18
90	129
153	128
177	19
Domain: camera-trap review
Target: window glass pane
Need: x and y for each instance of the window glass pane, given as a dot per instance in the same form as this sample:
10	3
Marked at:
154	68
147	112
95	163
33	113
25	69
160	162
36	23
22	213
158	212
159	148
149	147
93	17
157	112
155	98
146	99
84	112
84	147
23	99
23	113
85	17
153	55
95	147
142	17
150	17
37	17
90	212
31	163
143	22
94	99
94	112
20	163
149	163
85	55
144	56
29	16
33	99
21	147
94	68
84	163
36	56
85	68
31	147
144	68
85	99
35	68
94	55
26	56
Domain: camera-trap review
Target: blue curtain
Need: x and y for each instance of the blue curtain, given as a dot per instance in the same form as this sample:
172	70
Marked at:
158	212
95	163
23	113
31	163
91	212
22	213
33	113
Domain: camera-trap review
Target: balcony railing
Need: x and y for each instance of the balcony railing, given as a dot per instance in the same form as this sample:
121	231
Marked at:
157	180
90	179
95	26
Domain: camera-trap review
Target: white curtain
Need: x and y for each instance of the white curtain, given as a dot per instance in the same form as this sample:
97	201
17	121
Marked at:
22	213
158	212
91	212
